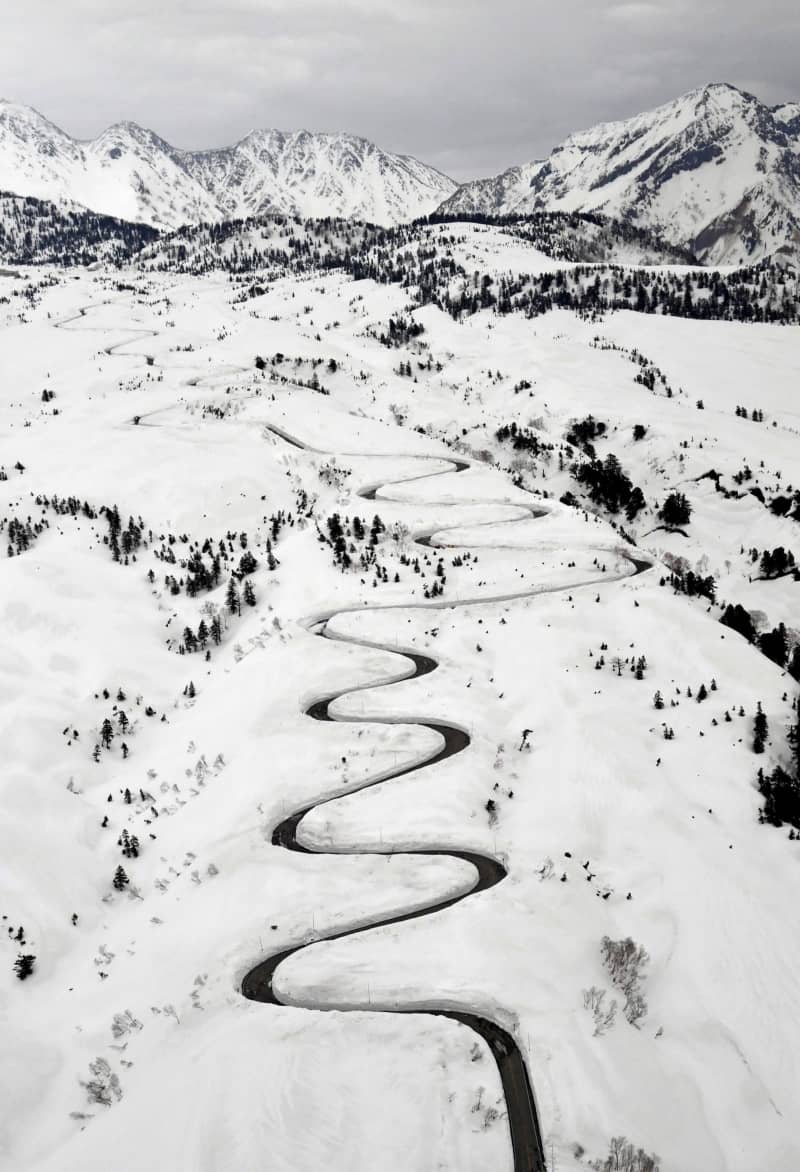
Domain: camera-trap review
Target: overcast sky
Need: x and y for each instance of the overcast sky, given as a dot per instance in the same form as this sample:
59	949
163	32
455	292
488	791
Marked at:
470	86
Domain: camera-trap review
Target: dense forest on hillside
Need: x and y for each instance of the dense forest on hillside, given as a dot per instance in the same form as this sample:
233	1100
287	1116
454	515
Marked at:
422	257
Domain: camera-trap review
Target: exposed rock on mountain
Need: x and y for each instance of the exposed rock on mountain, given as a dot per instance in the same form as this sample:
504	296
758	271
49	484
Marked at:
715	171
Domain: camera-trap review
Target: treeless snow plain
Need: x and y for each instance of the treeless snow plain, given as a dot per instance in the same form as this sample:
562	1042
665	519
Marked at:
605	828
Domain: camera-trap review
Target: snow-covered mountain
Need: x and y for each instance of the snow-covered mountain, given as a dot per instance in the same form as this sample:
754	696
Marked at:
716	171
317	175
131	173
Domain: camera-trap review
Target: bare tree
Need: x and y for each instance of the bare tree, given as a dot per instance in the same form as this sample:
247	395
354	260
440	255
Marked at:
625	960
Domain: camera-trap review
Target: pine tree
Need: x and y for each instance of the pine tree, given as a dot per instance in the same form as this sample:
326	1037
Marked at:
635	504
232	599
773	644
249	594
129	844
120	880
676	510
216	630
106	733
760	729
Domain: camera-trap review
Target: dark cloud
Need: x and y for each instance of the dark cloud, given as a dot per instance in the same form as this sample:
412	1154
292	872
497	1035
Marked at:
471	86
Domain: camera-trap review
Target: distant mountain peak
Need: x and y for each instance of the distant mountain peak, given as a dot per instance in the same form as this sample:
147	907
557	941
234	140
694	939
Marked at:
130	172
715	171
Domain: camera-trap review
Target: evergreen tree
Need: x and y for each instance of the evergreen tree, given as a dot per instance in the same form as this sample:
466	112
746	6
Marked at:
232	599
781	794
739	619
676	510
249	594
773	644
760	729
120	880
635	504
106	733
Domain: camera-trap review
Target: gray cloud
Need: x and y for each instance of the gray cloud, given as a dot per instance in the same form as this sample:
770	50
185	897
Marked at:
471	86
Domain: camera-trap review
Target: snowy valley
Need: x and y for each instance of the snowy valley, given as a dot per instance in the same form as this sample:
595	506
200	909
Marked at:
418	606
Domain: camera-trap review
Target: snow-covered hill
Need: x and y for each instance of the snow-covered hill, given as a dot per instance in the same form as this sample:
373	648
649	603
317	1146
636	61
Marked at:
35	231
715	171
131	173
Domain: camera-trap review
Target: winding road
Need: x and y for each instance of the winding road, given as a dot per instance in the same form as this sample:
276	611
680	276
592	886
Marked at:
258	983
523	1118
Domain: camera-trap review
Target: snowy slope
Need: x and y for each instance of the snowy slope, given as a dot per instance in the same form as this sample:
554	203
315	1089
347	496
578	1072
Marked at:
131	173
714	170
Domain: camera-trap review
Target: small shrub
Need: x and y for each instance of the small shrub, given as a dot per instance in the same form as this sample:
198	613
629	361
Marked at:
24	965
103	1088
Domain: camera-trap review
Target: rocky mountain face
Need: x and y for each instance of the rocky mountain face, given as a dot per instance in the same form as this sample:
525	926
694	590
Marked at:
317	175
131	173
715	171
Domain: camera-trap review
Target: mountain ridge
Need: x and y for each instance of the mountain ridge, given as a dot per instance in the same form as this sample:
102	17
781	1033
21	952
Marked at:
715	170
130	172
